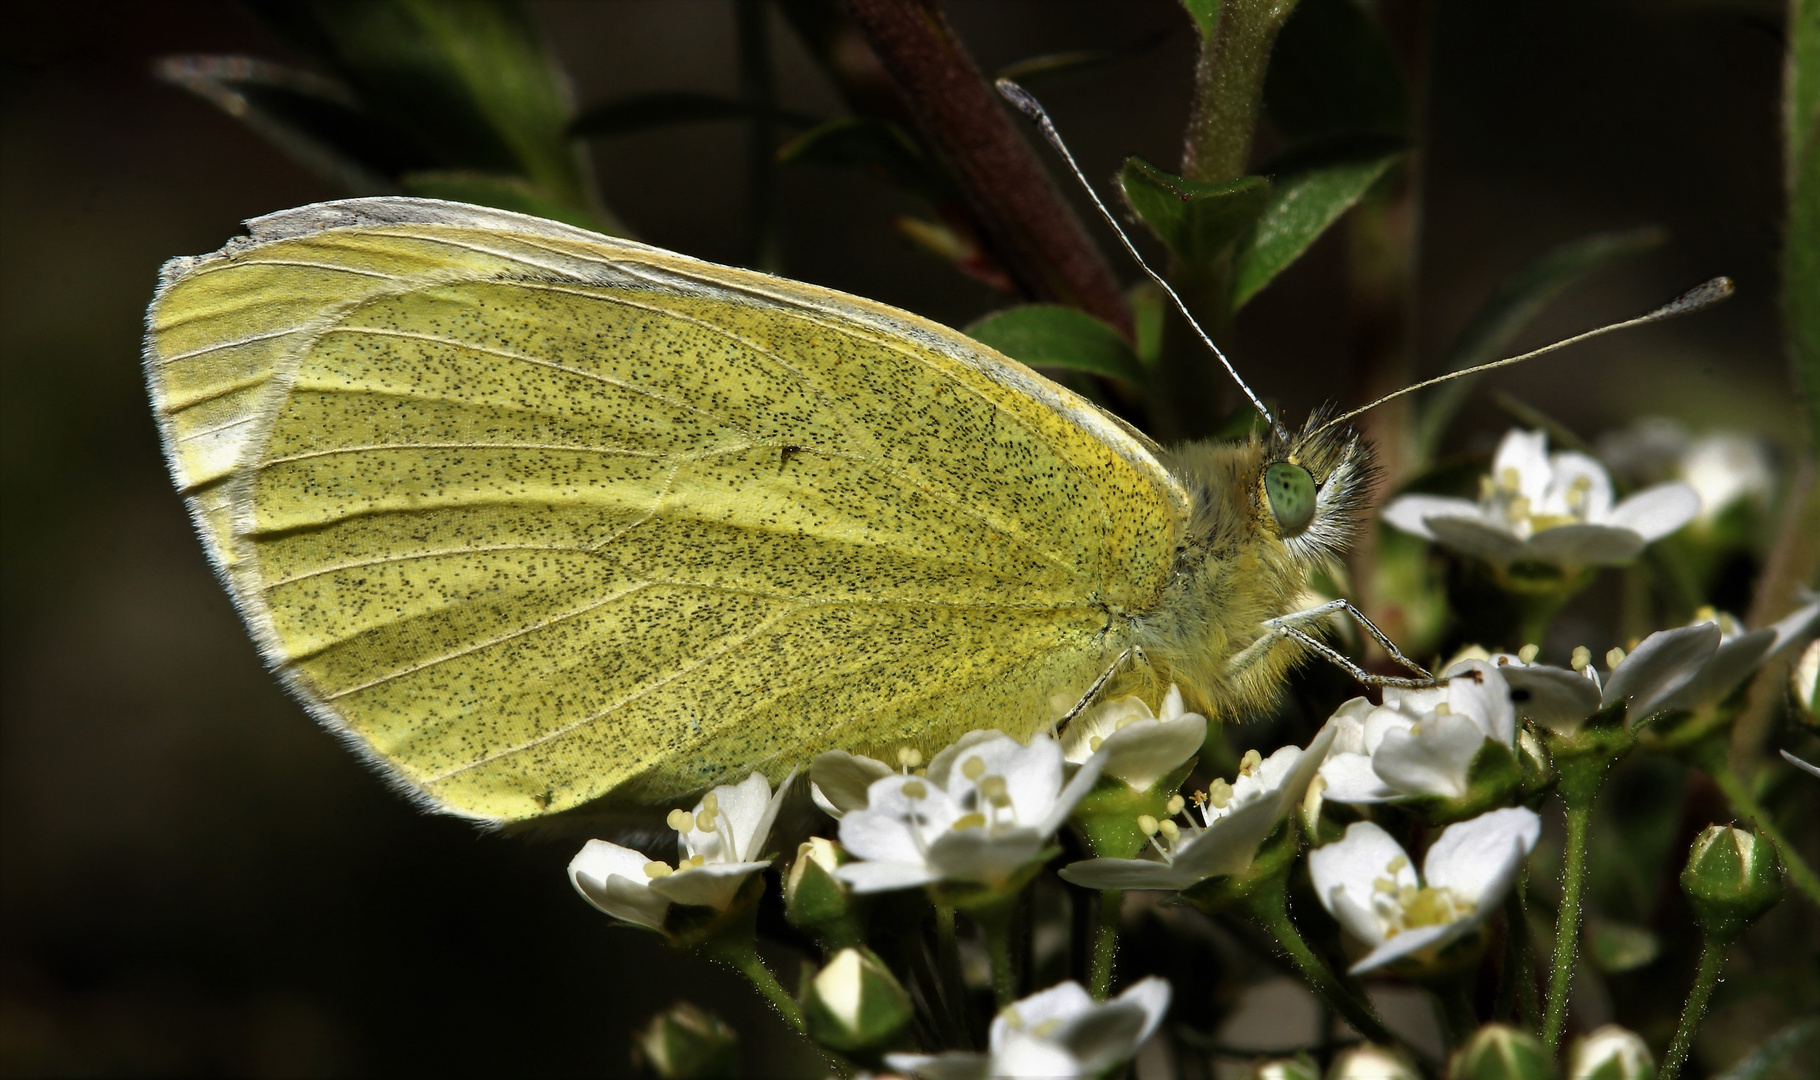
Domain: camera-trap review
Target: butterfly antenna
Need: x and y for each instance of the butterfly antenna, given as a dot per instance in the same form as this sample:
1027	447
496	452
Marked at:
1029	106
1701	296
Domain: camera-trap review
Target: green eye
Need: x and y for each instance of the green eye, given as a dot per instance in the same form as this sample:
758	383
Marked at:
1292	493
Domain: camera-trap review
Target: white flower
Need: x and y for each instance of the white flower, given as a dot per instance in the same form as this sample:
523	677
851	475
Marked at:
721	843
1366	881
1140	747
1547	508
986	807
838	781
1233	820
1611	1052
1058	1032
1419	742
1723	467
1688	667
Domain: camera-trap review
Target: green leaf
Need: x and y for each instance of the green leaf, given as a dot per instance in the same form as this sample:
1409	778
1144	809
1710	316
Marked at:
1049	335
1618	947
314	120
872	146
670	108
513	193
1060	67
1198	221
1517	302
1333	72
1306	199
471	79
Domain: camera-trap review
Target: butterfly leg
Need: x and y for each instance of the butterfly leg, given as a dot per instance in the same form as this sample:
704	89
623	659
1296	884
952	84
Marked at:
1358	617
1335	657
1098	684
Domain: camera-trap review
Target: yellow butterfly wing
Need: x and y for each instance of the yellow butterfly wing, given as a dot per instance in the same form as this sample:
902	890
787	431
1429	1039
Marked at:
535	516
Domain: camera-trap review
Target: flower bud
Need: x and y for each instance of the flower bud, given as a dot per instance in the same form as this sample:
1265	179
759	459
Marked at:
855	1003
1732	878
685	1042
1501	1052
1300	1067
1610	1053
1804	685
813	896
1370	1062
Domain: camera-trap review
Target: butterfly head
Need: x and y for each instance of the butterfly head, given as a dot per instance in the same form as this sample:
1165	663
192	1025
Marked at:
1311	489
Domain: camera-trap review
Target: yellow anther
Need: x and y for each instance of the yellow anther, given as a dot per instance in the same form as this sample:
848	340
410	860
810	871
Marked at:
909	757
1012	1018
1047	1027
1170	830
1706	613
1509	478
698	860
973	768
1250	761
994	791
1094	744
1581	658
1397	864
1131	718
1147	825
1384	885
1443	709
680	820
1577	493
1614	657
1174	805
710	803
1528	653
1519	508
916	789
1219	793
655	870
970	821
1488	488
706	820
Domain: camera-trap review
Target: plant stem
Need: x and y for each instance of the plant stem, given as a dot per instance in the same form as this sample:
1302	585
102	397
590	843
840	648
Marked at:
1741	796
1712	957
1519	958
1105	943
1029	226
995	923
747	963
1269	908
1228	85
1567	923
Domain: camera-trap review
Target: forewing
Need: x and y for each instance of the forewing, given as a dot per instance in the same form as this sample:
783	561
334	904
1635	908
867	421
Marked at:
538	516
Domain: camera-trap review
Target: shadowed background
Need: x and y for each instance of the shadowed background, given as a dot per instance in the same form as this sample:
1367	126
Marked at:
194	878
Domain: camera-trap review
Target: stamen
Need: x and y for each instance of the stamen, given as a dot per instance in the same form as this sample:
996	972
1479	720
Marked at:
1174	805
909	757
1581	658
1147	825
1219	793
1613	658
1528	653
973	768
655	870
1443	709
1170	830
1250	761
975	820
915	789
681	820
994	790
1094	744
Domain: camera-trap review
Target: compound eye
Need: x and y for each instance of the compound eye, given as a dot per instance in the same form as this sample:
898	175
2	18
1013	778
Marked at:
1292	494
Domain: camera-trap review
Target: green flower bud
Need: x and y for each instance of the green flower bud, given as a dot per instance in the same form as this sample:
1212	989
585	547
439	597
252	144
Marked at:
855	1003
1610	1053
813	896
685	1042
1300	1067
1538	768
1367	1061
1502	1052
1732	878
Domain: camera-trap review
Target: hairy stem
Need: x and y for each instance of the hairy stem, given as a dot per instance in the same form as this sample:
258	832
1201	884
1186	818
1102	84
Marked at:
1269	908
1229	84
996	923
746	962
1706	975
1105	943
1567	923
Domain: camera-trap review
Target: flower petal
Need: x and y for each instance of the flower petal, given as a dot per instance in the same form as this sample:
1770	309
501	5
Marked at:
1433	759
945	758
1144	751
710	885
1477	690
1663	663
1556	698
1073	792
1060	1003
986	856
1034	1059
1348	867
1478	859
1480	539
1351	779
885	875
1125	874
1731	663
883	829
1657	511
1411	513
612	878
952	1065
1585	545
1411	941
839	780
1527	453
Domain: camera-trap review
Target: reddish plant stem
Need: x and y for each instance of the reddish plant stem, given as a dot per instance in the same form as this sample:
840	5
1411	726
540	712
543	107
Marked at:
1024	219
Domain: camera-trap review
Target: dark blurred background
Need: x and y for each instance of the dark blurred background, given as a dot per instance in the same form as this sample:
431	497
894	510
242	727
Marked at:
195	879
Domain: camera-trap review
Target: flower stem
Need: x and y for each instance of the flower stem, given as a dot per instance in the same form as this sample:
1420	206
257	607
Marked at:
1105	944
1712	956
995	923
1567	923
1517	986
1741	796
747	963
1269	908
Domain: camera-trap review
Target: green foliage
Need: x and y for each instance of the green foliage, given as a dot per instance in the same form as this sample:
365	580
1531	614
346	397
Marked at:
1198	221
1306	198
1049	335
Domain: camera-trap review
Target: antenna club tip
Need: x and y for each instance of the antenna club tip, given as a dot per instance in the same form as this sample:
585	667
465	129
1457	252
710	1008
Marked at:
1018	96
1703	295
